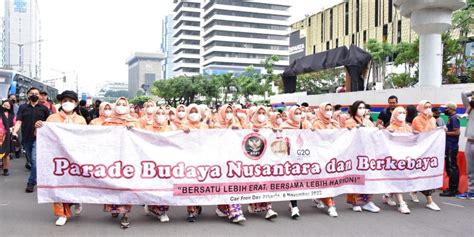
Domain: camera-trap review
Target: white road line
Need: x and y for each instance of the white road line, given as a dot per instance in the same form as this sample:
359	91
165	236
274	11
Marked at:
451	204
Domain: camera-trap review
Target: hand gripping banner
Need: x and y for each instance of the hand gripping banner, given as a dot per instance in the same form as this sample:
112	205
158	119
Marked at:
114	165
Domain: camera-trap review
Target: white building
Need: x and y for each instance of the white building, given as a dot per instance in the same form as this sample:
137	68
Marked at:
21	47
236	34
103	88
167	46
186	37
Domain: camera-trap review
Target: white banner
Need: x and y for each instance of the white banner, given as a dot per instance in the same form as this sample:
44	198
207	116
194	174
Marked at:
113	165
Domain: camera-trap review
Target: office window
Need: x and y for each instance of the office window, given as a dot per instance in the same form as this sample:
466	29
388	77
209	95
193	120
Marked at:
322	27
390	10
346	18
353	39
327	45
399	31
357	15
314	49
385	33
377	10
337	43
330	24
309	21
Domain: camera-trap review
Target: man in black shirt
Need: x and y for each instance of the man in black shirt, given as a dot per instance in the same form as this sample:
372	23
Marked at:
384	117
30	117
83	111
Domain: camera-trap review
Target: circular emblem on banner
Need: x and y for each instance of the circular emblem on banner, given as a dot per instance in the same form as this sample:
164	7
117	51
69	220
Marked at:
254	146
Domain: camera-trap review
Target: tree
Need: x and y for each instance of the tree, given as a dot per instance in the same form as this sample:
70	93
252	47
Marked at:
116	94
227	82
249	82
139	100
320	82
407	54
380	53
451	49
209	88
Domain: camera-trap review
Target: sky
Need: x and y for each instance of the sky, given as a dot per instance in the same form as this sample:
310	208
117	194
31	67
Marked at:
94	38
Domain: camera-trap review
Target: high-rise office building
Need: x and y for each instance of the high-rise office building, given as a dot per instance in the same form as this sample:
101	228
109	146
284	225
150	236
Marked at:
22	42
236	34
186	37
167	46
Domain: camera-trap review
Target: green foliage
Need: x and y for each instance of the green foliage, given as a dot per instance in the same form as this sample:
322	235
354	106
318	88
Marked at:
116	94
463	19
451	49
139	100
320	82
402	80
380	52
407	54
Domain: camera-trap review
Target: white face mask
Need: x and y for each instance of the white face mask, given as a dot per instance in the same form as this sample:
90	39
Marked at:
401	117
261	118
303	115
229	116
121	109
279	121
428	112
361	112
181	115
195	117
68	106
150	110
107	113
329	114
298	118
160	119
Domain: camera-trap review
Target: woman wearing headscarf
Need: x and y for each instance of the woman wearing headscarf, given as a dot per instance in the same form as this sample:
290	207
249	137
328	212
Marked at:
258	121
324	121
227	120
275	120
358	112
171	113
295	121
67	114
149	108
7	122
180	121
424	122
398	125
121	117
193	116
159	124
243	118
105	111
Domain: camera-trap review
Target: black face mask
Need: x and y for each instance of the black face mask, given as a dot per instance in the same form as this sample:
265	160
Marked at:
33	98
471	103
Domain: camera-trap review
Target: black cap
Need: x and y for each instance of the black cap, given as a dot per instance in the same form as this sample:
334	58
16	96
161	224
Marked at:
43	93
68	94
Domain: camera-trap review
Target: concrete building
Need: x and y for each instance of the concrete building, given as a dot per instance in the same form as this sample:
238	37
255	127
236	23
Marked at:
167	46
236	34
21	35
352	22
143	70
186	37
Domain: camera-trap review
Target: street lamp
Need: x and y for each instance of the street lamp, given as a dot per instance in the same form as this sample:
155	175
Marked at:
20	51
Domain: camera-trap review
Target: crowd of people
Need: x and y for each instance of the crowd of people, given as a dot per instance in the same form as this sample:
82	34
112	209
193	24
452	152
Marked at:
161	118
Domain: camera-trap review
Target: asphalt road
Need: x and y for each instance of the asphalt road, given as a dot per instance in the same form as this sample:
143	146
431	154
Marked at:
21	215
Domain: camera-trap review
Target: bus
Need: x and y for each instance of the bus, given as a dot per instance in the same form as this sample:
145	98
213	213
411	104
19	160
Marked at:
13	82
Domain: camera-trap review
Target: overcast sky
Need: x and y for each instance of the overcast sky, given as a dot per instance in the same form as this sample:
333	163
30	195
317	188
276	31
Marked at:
95	37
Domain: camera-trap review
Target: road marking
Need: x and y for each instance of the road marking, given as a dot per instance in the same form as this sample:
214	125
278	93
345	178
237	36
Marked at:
451	204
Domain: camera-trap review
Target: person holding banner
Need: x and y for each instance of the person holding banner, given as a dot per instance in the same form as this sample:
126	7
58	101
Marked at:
105	111
358	112
324	121
194	122
231	211
149	108
398	125
258	121
121	117
295	121
171	114
275	120
160	124
425	122
180	120
67	114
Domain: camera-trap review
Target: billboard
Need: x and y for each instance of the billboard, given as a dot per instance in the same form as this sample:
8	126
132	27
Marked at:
297	45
